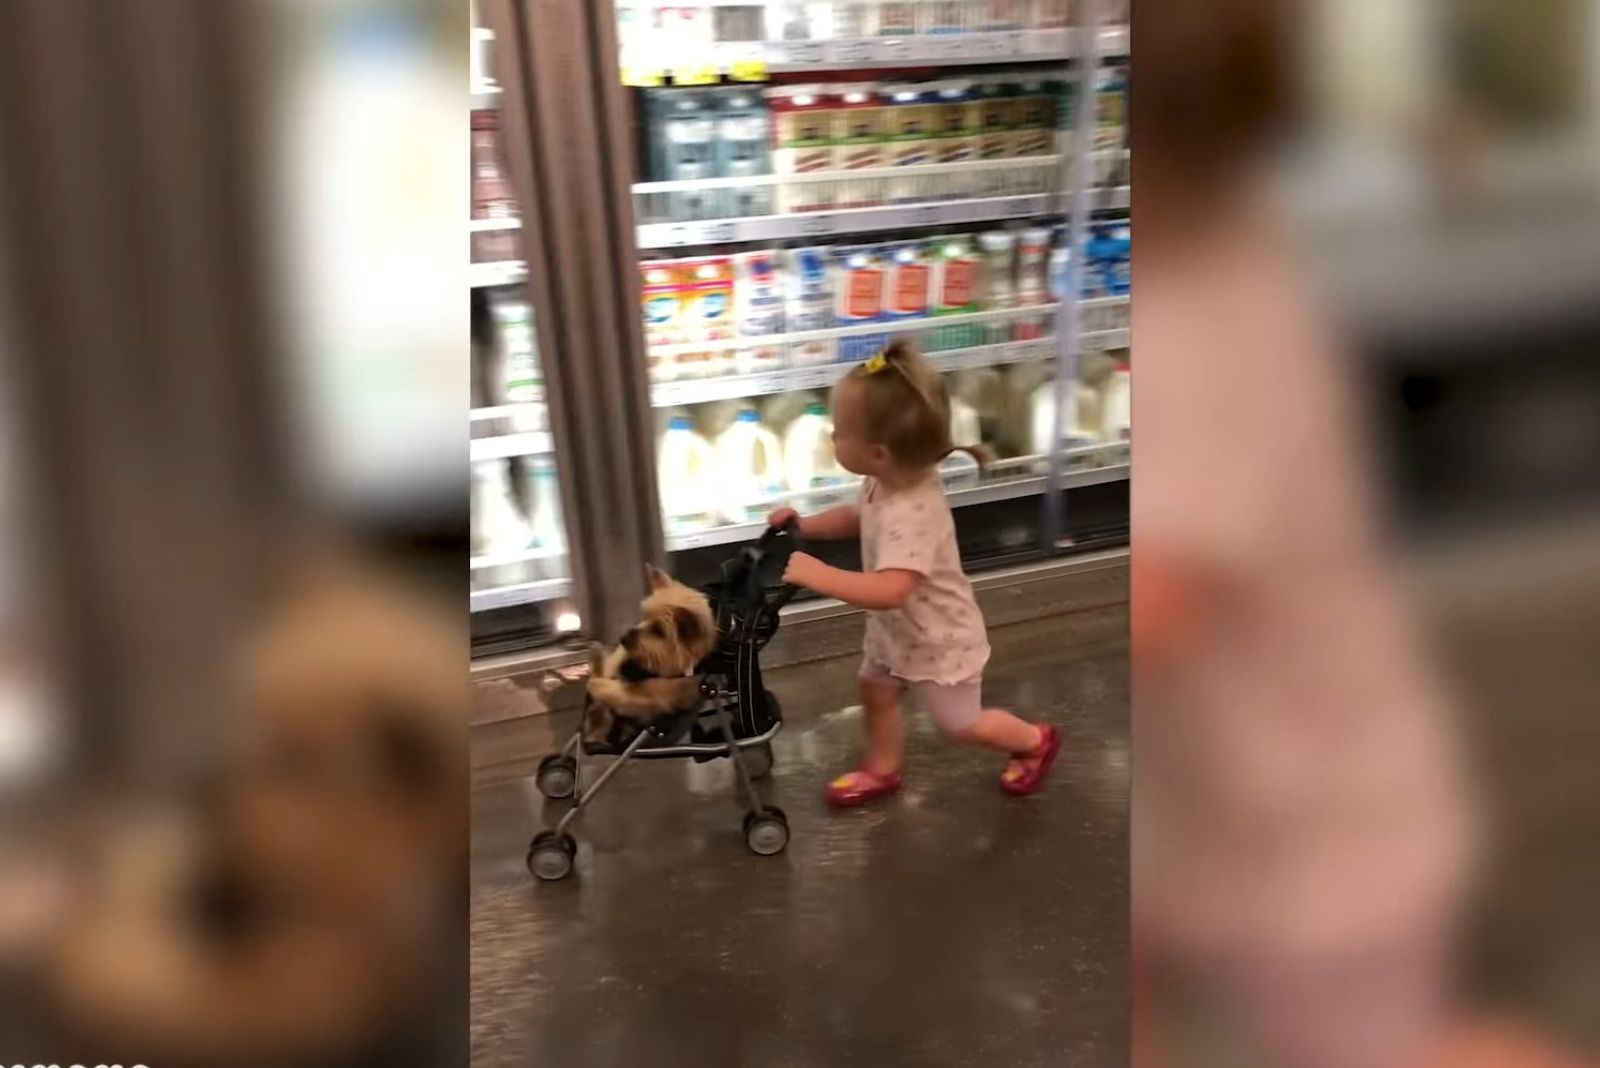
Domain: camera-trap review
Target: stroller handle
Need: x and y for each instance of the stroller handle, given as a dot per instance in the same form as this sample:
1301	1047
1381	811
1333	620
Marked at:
791	530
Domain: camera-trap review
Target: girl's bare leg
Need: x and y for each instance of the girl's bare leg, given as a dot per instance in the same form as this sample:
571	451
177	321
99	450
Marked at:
886	727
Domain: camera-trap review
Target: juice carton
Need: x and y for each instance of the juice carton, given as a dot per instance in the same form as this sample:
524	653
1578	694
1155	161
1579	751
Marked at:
758	301
957	137
860	289
898	18
807	280
663	294
861	137
708	315
802	143
1034	133
912	117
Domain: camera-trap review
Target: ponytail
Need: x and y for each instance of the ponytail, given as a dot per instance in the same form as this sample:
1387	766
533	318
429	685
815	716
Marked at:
908	407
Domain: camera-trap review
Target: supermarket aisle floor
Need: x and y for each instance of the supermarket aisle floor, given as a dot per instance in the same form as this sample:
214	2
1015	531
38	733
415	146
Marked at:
952	926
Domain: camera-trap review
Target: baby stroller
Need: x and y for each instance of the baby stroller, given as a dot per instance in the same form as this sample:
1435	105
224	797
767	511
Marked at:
736	717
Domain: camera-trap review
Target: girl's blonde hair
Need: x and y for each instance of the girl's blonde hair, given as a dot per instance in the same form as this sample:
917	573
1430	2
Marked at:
907	409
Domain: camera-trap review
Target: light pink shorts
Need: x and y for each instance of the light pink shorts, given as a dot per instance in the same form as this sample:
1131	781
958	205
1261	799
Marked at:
955	707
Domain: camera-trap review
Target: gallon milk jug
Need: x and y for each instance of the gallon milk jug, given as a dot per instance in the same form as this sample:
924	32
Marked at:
965	426
808	459
751	463
1116	417
497	524
686	471
1076	430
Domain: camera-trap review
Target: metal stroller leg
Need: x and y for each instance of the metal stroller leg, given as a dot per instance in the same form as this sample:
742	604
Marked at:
605	776
551	853
766	828
747	785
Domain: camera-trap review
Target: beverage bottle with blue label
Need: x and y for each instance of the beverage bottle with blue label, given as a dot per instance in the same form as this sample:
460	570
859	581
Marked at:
744	132
682	133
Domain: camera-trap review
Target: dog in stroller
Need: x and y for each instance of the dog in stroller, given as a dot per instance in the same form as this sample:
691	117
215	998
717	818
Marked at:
684	682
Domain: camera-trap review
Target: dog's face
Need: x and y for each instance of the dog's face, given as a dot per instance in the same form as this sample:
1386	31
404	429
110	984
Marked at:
676	629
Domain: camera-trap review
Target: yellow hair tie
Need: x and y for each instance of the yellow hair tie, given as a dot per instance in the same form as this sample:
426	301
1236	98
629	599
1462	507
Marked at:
876	364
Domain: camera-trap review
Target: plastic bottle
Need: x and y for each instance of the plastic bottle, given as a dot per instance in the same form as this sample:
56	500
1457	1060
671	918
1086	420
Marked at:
683	146
750	460
999	283
498	525
744	131
957	288
687	474
544	504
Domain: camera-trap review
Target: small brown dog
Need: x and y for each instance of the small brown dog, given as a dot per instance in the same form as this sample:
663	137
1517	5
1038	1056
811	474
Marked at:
652	671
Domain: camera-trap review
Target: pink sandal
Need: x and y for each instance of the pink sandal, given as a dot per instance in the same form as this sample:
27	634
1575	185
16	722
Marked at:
860	786
1026	773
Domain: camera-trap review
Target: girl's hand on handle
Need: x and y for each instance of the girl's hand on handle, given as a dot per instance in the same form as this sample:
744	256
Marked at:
803	569
780	518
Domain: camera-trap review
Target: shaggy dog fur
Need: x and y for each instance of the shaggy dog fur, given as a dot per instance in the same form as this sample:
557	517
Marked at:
652	671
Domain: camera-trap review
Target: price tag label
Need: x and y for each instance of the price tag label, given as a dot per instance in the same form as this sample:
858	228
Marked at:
894	49
855	51
813	378
951	46
678	234
696	74
720	233
643	77
816	224
806	53
749	70
925	215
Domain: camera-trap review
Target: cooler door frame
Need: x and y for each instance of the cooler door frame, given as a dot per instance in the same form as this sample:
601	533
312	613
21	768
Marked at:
565	146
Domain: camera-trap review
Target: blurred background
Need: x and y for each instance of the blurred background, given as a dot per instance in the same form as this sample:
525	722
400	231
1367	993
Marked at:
1365	563
232	651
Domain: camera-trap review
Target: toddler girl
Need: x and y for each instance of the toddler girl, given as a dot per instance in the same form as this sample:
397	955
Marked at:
925	633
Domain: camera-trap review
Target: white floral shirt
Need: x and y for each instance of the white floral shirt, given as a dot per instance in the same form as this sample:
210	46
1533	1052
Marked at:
938	635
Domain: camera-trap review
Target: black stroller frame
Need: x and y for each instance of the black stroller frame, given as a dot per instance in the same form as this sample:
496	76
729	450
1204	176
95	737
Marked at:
736	717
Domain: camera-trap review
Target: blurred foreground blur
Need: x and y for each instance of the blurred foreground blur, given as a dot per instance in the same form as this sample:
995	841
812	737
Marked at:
232	767
1366	579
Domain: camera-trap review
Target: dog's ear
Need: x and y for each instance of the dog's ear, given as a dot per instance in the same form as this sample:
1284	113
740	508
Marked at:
659	579
690	627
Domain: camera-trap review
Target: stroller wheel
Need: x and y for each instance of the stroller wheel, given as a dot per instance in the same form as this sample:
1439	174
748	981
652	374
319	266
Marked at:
550	855
757	760
557	776
766	832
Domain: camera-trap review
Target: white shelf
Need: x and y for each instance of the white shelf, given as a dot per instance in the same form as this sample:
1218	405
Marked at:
1005	490
753	58
507	411
519	594
733	387
520	556
489	226
530	443
821	225
496	273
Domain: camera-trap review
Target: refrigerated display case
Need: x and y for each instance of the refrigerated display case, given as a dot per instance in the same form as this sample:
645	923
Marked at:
815	178
770	191
520	586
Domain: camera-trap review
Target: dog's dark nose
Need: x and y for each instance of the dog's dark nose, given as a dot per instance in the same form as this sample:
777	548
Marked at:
630	639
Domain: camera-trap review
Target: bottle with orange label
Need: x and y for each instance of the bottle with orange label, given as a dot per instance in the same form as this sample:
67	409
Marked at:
708	314
957	288
910	293
861	281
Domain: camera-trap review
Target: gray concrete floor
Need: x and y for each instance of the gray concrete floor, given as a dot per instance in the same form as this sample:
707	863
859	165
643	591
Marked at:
950	926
